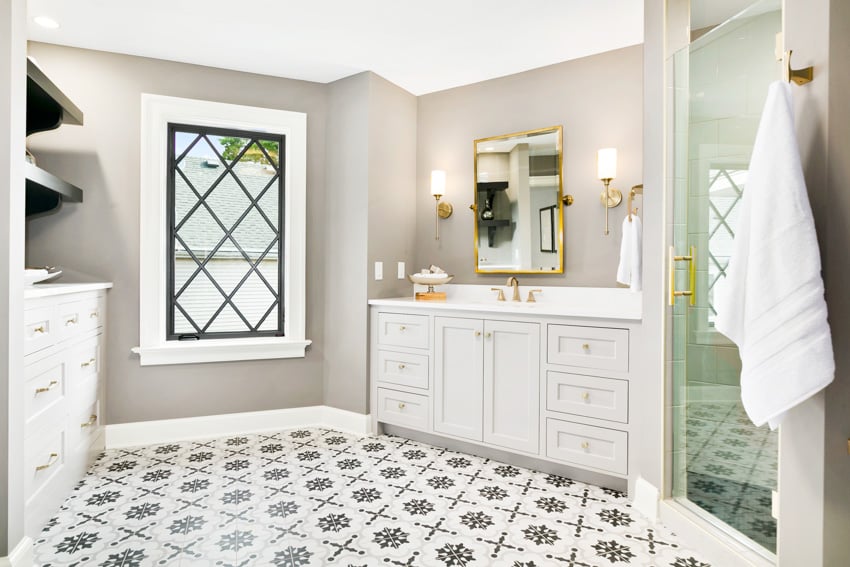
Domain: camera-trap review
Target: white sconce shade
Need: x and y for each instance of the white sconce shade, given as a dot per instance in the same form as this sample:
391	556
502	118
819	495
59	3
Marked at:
606	163
438	183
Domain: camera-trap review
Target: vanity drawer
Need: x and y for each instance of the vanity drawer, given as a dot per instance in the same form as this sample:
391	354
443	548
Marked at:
589	347
38	329
44	457
45	388
585	445
591	396
404	330
83	427
85	361
69	320
93	312
403	368
402	408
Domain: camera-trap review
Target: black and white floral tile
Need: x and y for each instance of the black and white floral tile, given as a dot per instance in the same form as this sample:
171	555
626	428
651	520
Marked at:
319	497
732	468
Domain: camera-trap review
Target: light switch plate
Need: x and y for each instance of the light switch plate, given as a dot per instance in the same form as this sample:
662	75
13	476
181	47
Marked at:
401	270
379	270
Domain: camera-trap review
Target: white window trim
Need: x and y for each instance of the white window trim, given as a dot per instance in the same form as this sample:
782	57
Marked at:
157	112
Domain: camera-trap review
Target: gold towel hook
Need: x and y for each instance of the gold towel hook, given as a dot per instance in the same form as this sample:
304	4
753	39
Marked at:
799	76
636	190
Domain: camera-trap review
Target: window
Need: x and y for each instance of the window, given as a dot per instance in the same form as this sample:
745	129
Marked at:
223	197
224	226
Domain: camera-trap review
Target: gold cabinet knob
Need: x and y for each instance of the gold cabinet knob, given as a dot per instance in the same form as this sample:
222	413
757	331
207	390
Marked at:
488	335
94	315
401	405
585	396
88	362
477	333
50	461
401	367
585	346
585	445
401	328
71	321
92	420
47	388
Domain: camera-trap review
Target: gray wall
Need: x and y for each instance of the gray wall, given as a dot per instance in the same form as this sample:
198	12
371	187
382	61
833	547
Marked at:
599	102
835	207
12	128
101	236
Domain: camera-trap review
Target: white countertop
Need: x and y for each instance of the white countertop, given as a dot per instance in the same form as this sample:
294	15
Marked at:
587	302
51	289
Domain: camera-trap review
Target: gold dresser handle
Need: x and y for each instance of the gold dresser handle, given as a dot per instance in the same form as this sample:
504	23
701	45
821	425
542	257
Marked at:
488	335
50	461
401	328
585	347
585	445
92	420
401	366
477	333
47	388
71	321
401	405
88	362
94	315
39	329
585	396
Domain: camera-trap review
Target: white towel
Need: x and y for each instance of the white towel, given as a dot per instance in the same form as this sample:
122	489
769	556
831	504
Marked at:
771	304
628	272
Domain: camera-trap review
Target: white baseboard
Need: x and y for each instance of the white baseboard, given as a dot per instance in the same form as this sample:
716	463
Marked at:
21	556
189	428
646	499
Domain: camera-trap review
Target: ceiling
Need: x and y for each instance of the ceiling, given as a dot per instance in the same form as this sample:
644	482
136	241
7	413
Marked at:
422	46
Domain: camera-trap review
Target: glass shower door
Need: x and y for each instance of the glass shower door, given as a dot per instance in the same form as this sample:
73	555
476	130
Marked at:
725	468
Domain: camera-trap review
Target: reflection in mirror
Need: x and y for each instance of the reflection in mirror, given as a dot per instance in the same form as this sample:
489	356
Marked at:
518	218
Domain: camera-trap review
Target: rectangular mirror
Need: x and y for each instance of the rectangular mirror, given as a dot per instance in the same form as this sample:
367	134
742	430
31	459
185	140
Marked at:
519	220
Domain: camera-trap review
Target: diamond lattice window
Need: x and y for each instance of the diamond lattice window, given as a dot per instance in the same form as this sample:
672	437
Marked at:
225	190
725	189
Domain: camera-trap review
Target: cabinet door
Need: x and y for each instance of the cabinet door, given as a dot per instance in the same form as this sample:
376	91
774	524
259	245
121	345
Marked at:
458	376
512	385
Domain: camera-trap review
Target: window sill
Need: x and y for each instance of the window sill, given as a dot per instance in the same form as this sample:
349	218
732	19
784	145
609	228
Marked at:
221	350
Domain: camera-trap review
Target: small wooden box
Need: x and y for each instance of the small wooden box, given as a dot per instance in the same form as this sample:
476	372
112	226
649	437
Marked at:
430	296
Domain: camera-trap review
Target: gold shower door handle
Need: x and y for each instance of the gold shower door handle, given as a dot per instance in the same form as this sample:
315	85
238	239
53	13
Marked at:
692	275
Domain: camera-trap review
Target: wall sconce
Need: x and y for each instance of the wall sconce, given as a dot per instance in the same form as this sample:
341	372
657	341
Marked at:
606	168
438	189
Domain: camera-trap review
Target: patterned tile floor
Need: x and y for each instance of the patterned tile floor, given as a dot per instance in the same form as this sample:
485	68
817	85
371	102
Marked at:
732	468
318	497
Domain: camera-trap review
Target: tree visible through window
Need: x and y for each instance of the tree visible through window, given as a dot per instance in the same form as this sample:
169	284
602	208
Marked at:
225	221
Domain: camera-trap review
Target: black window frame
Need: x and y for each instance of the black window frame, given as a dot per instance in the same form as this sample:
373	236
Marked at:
172	295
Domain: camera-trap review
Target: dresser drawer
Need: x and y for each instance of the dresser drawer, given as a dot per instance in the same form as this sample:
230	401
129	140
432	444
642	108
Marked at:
84	360
403	368
38	329
83	427
44	458
584	445
45	388
92	312
395	329
69	320
589	347
401	408
590	396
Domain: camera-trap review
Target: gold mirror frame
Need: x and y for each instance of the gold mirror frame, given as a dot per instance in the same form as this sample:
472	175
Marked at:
559	206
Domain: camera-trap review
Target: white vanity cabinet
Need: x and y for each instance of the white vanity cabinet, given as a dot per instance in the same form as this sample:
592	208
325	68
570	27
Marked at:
486	381
63	392
515	377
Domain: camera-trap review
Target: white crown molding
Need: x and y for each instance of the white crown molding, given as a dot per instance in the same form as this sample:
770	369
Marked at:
186	429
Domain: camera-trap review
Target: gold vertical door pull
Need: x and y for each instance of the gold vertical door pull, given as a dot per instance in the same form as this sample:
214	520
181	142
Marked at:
692	275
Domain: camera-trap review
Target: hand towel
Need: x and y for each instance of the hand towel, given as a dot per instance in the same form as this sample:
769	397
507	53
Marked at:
628	271
771	304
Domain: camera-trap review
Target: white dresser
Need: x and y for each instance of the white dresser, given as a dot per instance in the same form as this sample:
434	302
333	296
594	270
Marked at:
63	392
550	382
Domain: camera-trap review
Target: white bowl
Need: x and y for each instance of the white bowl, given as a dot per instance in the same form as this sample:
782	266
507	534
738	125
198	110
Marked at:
34	275
430	279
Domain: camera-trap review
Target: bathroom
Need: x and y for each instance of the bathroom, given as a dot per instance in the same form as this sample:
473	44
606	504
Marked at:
371	147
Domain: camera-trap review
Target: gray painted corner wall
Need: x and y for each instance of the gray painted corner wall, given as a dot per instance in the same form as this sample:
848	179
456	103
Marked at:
100	237
599	102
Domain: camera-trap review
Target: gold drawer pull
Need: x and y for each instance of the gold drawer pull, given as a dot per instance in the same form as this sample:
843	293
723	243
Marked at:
46	388
50	461
88	362
401	405
401	328
72	321
92	420
691	259
94	315
585	346
585	396
39	330
401	366
585	445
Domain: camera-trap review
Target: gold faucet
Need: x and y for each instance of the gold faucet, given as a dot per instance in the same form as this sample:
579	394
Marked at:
514	283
